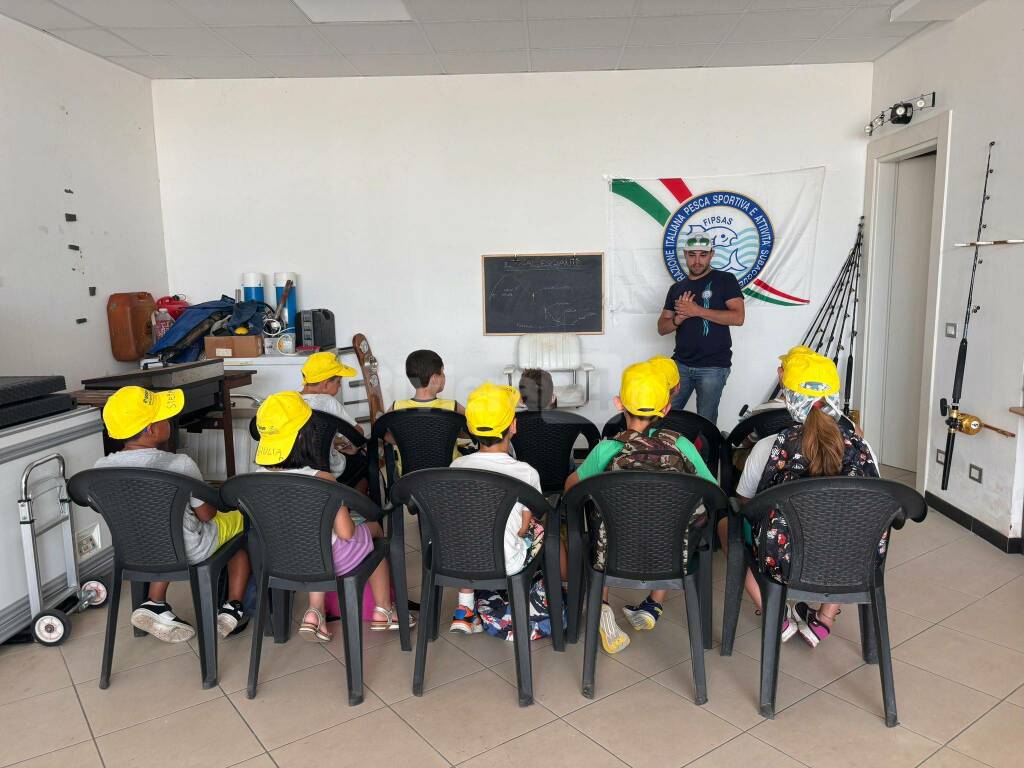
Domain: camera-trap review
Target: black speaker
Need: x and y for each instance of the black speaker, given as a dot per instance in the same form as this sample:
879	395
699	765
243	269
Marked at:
316	328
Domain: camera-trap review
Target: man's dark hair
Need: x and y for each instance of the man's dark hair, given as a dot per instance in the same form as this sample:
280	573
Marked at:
305	451
421	365
487	441
536	388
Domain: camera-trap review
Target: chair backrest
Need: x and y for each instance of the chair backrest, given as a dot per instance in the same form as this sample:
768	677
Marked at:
292	516
549	351
326	427
835	524
762	424
463	513
545	440
691	426
143	508
425	437
646	517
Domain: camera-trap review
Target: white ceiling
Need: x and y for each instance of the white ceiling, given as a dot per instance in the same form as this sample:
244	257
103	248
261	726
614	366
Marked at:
275	38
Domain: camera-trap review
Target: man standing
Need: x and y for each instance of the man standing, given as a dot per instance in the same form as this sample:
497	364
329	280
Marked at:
699	310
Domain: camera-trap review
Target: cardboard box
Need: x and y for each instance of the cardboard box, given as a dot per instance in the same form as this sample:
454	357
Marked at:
233	346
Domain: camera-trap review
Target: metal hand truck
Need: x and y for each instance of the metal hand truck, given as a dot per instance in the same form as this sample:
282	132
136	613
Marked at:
51	624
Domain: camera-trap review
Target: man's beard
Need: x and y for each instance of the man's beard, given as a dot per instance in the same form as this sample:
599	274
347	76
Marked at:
701	274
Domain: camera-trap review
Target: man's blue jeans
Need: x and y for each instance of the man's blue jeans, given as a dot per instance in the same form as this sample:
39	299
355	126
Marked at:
708	382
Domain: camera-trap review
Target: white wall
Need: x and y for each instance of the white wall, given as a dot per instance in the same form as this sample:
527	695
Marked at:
71	120
972	64
383	193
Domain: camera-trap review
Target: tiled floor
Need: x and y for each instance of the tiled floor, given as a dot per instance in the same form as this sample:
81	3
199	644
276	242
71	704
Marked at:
956	624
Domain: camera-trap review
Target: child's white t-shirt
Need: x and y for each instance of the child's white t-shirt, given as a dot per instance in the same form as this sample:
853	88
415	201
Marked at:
330	405
502	463
756	462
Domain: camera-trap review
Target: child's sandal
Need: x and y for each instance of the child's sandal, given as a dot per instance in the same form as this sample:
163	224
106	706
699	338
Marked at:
391	621
314	633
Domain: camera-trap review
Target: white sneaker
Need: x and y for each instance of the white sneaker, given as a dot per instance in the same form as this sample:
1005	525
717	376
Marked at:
613	639
790	624
159	620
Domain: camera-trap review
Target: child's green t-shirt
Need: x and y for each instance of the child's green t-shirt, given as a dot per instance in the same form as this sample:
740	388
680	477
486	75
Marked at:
599	458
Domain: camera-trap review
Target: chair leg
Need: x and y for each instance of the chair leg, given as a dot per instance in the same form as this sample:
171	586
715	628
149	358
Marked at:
576	579
704	582
140	590
593	625
350	591
519	597
694	622
204	582
428	606
881	621
262	600
774	604
396	558
553	585
868	646
734	576
435	627
113	602
281	613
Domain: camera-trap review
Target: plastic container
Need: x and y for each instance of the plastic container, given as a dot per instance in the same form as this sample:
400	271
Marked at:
252	286
174	305
130	321
162	322
290	315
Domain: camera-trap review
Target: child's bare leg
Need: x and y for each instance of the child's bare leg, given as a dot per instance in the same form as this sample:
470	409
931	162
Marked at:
380	585
158	591
316	601
659	595
827	613
238	575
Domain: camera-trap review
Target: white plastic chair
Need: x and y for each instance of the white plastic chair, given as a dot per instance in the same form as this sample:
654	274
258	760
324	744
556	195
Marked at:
555	353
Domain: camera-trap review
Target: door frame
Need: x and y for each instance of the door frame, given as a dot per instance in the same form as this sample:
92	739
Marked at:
883	153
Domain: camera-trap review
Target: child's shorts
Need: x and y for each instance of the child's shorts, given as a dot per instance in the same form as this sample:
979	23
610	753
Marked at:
348	553
229	525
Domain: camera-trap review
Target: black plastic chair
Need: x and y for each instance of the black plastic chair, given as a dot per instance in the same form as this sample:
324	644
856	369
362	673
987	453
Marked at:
143	508
646	517
325	427
758	425
835	524
690	425
292	519
463	513
545	440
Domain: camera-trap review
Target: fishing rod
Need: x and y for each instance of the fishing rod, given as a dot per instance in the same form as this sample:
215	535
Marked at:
853	336
832	291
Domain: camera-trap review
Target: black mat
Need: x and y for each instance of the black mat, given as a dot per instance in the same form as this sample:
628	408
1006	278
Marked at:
30	410
16	389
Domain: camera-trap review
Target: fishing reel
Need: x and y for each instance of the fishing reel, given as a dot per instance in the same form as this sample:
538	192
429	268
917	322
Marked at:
960	422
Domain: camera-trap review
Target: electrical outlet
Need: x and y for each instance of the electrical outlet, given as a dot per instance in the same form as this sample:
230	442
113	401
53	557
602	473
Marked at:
974	472
89	541
940	456
950	330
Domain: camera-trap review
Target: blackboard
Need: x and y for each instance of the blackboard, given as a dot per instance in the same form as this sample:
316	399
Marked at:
543	293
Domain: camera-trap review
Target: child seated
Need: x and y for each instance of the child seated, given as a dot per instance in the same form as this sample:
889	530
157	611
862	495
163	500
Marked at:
668	368
321	381
425	370
491	418
141	419
537	389
288	444
644	398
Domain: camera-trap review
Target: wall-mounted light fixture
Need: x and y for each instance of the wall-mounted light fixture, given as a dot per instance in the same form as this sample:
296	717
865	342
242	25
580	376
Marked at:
900	113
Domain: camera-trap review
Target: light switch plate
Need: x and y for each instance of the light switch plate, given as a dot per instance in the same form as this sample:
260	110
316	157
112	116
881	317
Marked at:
975	472
940	456
950	330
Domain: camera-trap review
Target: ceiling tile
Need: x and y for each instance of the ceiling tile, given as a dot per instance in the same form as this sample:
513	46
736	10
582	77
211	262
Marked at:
348	11
307	66
374	64
387	37
97	41
786	25
152	67
276	41
574	61
848	49
683	7
220	66
776	5
758	54
42	14
477	36
678	30
578	33
130	13
484	62
666	57
244	13
874	22
177	42
578	9
465	10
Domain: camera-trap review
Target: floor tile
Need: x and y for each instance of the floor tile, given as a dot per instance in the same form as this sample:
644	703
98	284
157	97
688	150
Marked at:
810	732
743	752
984	666
1017	697
926	599
471	715
40	725
997	617
554	745
930	705
816	666
915	539
144	693
891	473
973	565
557	677
83	655
997	739
82	755
649	652
733	687
649	726
260	761
948	758
275	660
902	626
388	669
38	670
370	640
210	735
297	705
360	743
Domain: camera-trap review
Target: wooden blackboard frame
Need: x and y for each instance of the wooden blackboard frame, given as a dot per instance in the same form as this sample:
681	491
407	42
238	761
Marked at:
483	287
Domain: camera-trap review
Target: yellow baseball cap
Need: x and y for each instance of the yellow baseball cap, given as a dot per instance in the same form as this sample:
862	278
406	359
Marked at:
644	391
490	409
278	420
810	374
131	409
794	351
322	366
668	368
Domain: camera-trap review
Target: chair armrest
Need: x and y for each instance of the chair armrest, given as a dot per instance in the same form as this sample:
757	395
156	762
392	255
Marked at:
508	370
203	492
586	367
